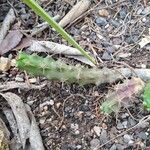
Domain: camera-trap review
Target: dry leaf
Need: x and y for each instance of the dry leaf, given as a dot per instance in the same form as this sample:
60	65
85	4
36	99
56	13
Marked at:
20	114
11	41
25	42
35	137
9	19
51	47
4	136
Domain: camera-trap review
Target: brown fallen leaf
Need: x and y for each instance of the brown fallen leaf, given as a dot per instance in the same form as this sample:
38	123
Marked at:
25	42
11	41
9	19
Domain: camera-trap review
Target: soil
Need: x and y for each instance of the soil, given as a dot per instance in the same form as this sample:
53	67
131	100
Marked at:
68	114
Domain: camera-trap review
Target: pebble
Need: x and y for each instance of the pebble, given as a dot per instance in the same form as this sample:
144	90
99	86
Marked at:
33	80
146	11
74	126
127	138
97	130
19	78
106	56
119	125
79	147
120	147
95	143
142	135
122	13
103	13
51	102
124	123
103	136
125	115
101	21
113	147
131	122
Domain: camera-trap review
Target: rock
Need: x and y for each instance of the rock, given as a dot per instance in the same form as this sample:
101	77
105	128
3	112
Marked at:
33	80
125	115
103	13
74	126
77	132
146	11
79	147
127	138
97	130
142	135
51	102
103	136
124	123
113	147
106	56
19	78
122	13
131	122
94	144
120	147
101	21
119	125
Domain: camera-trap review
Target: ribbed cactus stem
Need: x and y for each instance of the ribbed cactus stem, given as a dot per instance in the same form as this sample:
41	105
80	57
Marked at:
57	70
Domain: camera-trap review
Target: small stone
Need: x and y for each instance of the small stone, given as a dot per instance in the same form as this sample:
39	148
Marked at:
142	135
146	10
32	80
19	78
119	125
106	56
143	66
144	19
120	147
101	21
127	138
103	13
97	130
103	136
131	122
95	143
124	123
77	132
51	102
122	13
78	146
125	115
113	147
74	126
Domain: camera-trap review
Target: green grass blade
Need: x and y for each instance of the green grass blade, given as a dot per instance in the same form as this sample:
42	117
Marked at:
41	12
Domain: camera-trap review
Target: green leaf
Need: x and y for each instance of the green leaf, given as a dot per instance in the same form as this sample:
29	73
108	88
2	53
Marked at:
41	12
146	96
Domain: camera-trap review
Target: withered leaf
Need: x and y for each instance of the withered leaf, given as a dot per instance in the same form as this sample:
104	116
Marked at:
11	41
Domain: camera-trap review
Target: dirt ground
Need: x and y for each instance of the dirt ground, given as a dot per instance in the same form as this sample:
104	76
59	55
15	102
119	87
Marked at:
68	114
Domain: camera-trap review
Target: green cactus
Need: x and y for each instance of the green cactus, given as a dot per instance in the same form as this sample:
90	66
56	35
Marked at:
146	96
121	96
57	70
